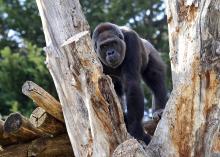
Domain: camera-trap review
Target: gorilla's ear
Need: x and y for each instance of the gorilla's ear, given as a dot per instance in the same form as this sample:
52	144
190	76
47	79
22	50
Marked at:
95	45
91	33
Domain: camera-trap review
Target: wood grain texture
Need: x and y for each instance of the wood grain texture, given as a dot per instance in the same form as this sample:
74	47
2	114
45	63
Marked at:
4	138
46	123
94	124
20	127
43	147
43	99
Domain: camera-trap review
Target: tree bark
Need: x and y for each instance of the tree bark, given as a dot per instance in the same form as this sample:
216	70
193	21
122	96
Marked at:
92	112
191	119
4	139
43	147
46	123
43	99
20	127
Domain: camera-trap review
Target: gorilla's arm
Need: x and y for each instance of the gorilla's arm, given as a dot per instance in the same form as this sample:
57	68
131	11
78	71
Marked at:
131	79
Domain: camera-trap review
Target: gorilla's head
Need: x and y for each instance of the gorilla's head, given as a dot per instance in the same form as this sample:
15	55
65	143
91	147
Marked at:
108	42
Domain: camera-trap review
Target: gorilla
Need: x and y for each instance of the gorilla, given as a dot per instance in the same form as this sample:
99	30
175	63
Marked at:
127	58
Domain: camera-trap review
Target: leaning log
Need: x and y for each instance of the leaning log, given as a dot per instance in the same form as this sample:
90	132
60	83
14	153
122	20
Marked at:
19	150
43	147
6	140
87	96
43	99
20	127
46	123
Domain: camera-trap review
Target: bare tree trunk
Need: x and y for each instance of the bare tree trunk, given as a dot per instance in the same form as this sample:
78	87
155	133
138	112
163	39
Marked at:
192	115
92	113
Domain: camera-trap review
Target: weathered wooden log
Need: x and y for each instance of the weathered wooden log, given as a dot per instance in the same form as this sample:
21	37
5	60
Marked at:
42	147
20	127
46	123
6	140
43	99
18	150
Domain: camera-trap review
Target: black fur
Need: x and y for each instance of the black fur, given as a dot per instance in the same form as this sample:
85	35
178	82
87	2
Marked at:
127	58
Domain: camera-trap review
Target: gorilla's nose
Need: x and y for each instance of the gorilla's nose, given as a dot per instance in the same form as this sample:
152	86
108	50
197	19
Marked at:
110	52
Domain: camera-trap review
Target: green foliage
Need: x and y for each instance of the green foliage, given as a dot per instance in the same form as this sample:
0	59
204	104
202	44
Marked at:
22	17
21	59
15	69
146	17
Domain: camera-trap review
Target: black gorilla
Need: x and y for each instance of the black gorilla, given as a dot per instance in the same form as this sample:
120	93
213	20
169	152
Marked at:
126	58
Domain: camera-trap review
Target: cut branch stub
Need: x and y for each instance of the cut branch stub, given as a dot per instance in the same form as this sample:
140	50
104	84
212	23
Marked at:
4	139
75	38
21	128
43	99
46	123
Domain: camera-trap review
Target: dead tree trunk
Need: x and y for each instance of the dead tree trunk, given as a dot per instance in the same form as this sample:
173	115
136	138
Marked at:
191	119
92	113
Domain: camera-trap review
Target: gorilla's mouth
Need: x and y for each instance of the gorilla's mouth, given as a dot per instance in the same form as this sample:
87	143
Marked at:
113	61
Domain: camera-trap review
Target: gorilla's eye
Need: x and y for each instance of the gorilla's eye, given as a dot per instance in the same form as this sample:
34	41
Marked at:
103	46
114	43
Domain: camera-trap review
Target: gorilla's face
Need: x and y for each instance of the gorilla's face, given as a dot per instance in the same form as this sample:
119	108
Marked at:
110	48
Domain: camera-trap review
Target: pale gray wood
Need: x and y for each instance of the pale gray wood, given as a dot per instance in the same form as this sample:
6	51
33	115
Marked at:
92	113
193	28
43	99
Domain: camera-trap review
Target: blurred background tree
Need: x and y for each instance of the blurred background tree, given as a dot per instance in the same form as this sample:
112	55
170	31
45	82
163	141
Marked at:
22	39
